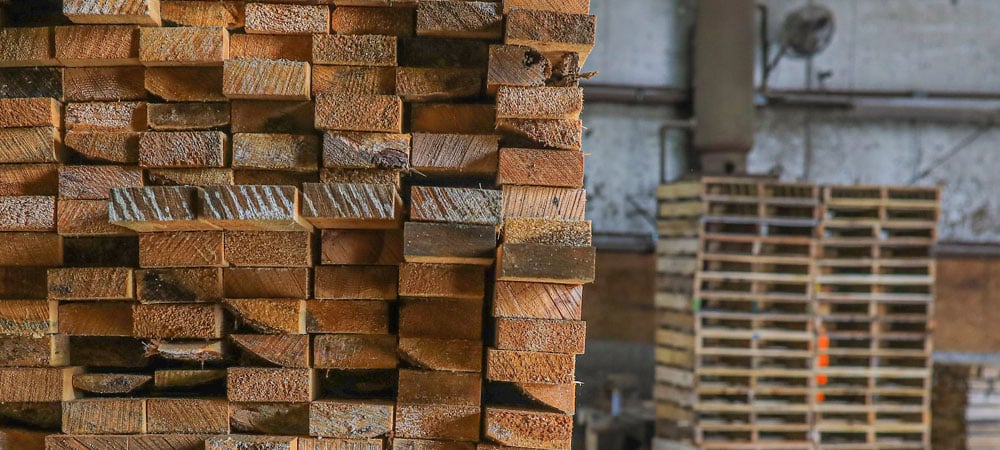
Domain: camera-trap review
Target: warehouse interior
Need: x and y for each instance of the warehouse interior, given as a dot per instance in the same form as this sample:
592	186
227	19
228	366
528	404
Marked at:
895	93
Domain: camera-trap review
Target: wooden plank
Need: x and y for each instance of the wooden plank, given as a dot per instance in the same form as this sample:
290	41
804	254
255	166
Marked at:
436	52
356	282
266	79
110	383
361	176
347	316
32	249
445	422
373	21
565	6
104	416
269	248
27	213
346	419
30	351
460	19
105	116
181	249
186	84
420	84
200	352
447	243
22	438
183	46
354	80
354	50
536	335
293	152
529	428
37	384
519	166
101	251
442	281
169	379
455	355
456	205
66	442
117	45
29	179
120	147
561	397
539	102
270	315
156	208
426	444
529	367
355	150
354	351
529	230
537	300
439	155
247	441
278	349
378	113
560	134
108	352
266	282
26	47
271	46
365	247
344	205
453	118
338	444
139	12
28	318
229	14
269	418
183	177
25	82
187	415
272	117
424	387
187	116
179	285
546	263
264	18
246	384
23	282
440	319
177	321
544	202
91	283
30	145
171	441
30	112
516	65
96	84
178	149
552	32
274	177
253	208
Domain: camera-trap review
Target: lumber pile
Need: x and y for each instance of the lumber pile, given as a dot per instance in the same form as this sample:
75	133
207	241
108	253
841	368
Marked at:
966	406
291	225
794	315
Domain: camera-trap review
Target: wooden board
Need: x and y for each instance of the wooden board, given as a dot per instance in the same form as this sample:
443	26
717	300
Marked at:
365	247
105	116
94	84
269	248
539	102
354	80
521	166
531	230
529	367
453	118
30	112
187	116
229	14
121	147
347	316
28	318
442	281
444	422
253	208
537	335
455	355
447	243
345	419
29	82
30	351
110	383
443	155
269	79
96	283
544	202
354	50
460	19
186	84
456	205
181	249
425	387
187	415
23	283
270	315
373	21
177	321
537	300
355	282
29	179
256	384
30	145
183	46
186	177
278	349
422	84
546	263
37	384
119	45
271	46
104	416
561	397
244	441
347	205
528	428
26	47
27	213
552	32
442	319
32	249
156	208
272	116
139	12
264	18
269	418
559	134
354	150
516	65
354	351
266	282
378	113
565	6
292	152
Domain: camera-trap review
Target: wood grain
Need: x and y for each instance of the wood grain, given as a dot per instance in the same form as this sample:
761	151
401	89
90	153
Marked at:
91	283
30	112
121	147
544	202
456	205
266	79
448	243
183	46
347	316
186	84
350	419
529	428
187	116
455	355
442	281
444	422
86	218
27	213
26	82
354	50
565	6
177	321
266	282
378	113
537	335
271	46
246	441
187	415
156	208
353	80
257	384
181	249
272	117
416	84
560	134
278	349
551	32
185	177
229	14
110	383
446	155
546	263
37	384
269	418
253	208
269	248
177	149
31	351
292	152
26	47
343	205
264	18
373	21
140	12
537	300
460	19
27	248
355	282
529	367
105	116
425	387
354	351
28	318
89	84
30	145
539	102
441	319
521	166
179	285
453	118
531	230
366	247
270	315
97	45
104	416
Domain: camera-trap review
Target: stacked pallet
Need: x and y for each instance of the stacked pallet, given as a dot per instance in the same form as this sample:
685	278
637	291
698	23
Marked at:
255	224
965	406
761	343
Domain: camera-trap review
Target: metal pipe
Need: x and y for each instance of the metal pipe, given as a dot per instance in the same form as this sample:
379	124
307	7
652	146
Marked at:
937	109
635	95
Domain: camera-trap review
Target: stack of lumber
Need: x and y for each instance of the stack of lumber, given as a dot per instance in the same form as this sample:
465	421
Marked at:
966	406
794	315
311	224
